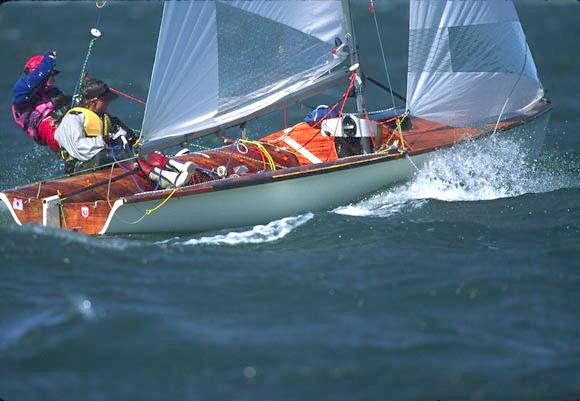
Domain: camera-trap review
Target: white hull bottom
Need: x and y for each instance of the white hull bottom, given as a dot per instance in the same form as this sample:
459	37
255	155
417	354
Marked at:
270	201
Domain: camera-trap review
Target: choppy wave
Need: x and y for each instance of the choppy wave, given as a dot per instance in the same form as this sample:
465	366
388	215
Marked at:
73	237
259	234
15	331
480	170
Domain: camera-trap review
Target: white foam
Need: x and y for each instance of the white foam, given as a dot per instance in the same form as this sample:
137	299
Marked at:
272	231
486	169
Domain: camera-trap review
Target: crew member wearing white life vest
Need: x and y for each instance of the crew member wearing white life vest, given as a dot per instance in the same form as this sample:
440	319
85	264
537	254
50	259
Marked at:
87	135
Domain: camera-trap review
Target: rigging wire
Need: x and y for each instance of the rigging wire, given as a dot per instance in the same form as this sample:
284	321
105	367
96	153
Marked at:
399	128
99	5
372	11
513	88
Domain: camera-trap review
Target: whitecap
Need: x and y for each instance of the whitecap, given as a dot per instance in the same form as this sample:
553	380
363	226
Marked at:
259	234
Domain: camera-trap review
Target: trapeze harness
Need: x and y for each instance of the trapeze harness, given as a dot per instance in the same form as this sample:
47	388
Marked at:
93	125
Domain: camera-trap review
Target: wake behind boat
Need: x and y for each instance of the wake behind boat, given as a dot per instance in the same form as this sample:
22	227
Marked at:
470	74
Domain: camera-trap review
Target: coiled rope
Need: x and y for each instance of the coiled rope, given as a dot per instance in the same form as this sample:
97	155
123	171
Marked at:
264	152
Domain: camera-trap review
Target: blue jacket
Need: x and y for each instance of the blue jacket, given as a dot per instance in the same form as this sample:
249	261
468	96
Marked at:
25	88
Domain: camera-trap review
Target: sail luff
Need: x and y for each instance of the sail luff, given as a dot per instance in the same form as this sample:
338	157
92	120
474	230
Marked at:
173	86
155	68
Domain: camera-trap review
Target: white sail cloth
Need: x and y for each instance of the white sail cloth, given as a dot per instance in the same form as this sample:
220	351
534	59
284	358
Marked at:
466	57
218	63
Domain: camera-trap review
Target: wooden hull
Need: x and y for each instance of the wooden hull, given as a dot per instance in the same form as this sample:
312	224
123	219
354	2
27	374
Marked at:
255	198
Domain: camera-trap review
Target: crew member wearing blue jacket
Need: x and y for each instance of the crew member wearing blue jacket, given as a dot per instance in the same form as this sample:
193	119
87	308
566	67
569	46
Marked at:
37	104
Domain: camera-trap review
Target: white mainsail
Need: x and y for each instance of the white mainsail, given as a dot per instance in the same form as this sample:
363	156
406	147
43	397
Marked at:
466	57
219	63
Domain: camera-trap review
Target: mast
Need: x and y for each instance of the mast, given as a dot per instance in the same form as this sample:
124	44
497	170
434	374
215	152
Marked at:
361	104
355	61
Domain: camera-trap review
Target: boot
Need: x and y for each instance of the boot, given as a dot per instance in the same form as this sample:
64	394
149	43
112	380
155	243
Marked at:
169	179
181	167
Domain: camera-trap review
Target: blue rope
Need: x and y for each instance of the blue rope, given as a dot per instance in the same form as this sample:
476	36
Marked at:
112	150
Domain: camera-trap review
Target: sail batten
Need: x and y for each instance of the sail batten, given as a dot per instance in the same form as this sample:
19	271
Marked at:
465	59
219	62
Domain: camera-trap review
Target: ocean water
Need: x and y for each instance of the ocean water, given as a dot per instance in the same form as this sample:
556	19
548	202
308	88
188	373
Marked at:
462	283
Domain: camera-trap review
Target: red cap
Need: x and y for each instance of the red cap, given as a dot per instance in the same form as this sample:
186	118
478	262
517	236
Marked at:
33	62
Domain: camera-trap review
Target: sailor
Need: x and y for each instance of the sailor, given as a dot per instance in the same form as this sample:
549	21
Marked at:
37	104
90	138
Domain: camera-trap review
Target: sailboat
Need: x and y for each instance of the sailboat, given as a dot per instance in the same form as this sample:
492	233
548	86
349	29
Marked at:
221	64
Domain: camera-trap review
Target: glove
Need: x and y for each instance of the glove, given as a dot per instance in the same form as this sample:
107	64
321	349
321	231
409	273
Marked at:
129	135
121	135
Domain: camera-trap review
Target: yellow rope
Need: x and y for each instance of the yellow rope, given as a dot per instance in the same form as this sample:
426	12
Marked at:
240	155
149	211
266	154
264	151
400	130
138	141
386	144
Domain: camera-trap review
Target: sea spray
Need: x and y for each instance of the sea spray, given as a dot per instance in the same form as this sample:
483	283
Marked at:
31	164
486	169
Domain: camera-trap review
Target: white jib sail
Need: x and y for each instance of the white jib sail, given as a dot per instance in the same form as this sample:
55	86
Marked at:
218	63
466	57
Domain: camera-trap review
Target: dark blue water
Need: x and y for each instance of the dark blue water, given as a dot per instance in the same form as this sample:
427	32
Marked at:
460	284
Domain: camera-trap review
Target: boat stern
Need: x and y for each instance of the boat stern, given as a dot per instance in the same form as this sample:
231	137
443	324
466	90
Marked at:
21	209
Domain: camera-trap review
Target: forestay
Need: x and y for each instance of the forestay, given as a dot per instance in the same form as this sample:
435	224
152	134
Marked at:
219	63
465	59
